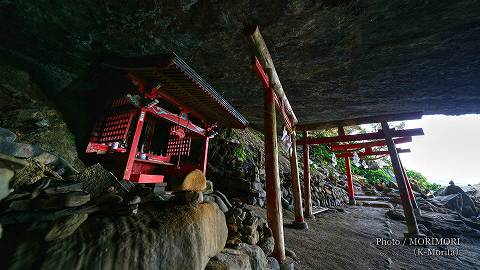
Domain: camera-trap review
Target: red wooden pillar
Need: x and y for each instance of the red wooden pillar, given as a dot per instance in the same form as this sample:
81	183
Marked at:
272	177
409	187
204	161
306	177
351	192
297	193
401	182
134	144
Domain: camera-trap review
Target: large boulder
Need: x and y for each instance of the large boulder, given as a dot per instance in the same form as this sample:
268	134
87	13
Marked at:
172	237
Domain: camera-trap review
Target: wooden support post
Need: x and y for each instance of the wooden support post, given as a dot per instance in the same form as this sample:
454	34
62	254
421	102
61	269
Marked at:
205	155
409	187
134	144
272	177
351	192
401	182
306	178
299	222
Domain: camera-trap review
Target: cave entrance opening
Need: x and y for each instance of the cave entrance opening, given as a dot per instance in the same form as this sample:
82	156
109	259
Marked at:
361	145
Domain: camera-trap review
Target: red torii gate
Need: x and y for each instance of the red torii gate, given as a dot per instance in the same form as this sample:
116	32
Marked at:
348	150
390	138
274	96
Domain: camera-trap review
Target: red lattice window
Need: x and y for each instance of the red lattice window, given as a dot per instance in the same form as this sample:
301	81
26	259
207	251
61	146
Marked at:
121	101
115	127
178	145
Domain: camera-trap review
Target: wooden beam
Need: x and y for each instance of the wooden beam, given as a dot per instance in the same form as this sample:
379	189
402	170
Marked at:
306	179
372	153
272	177
299	221
361	121
363	137
345	147
409	187
351	192
258	69
257	43
401	182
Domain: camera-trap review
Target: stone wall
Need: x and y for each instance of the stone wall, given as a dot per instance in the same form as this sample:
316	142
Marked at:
236	167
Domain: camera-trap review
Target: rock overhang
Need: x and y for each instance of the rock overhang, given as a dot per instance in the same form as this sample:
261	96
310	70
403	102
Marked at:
335	59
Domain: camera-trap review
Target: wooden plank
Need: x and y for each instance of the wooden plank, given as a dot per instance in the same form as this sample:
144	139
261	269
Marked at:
401	182
361	121
257	43
307	193
370	153
318	210
363	137
272	177
297	193
345	147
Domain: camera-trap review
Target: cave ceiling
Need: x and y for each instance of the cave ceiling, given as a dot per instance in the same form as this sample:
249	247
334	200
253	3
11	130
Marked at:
335	59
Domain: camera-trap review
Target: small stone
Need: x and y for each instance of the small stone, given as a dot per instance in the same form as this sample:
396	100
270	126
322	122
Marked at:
241	217
251	200
63	228
233	242
20	205
237	211
7	136
272	264
5	176
267	244
42	123
267	232
257	185
290	253
249	230
251	239
220	203
233	228
109	199
37	187
60	200
251	221
133	200
63	186
209	188
231	219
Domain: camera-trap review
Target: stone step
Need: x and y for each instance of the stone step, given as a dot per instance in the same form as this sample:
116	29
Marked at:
377	204
371	198
318	210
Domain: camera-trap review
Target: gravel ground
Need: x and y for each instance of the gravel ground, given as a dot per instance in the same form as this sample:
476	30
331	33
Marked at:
347	240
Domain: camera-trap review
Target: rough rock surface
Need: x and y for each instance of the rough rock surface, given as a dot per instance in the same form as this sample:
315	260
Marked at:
23	106
245	257
176	237
336	59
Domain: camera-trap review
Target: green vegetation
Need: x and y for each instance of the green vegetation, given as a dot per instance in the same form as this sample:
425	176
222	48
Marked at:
422	181
240	152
